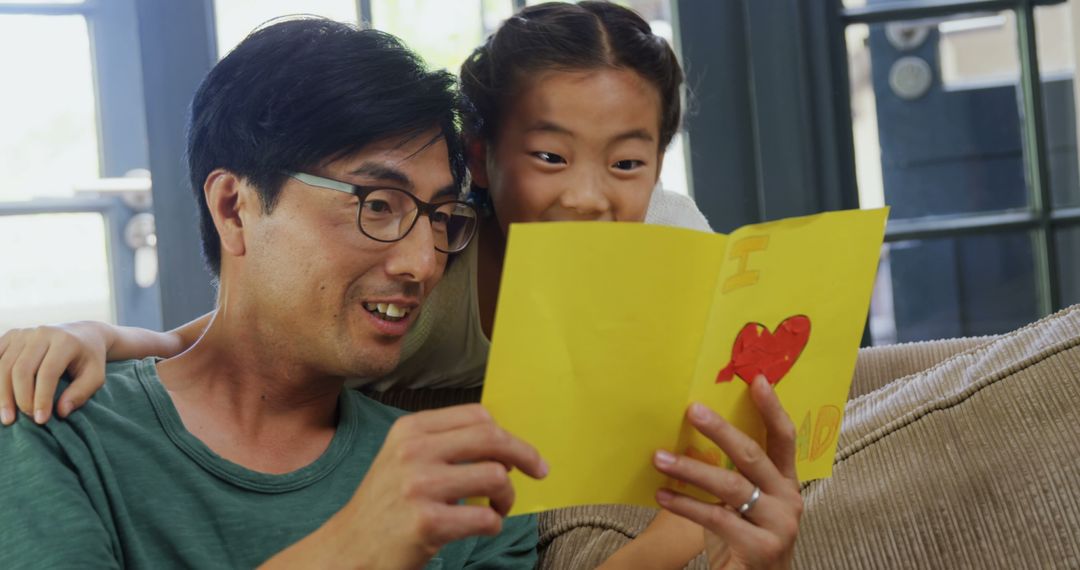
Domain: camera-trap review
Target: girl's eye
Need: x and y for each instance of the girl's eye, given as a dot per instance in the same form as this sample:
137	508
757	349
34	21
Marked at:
550	157
628	164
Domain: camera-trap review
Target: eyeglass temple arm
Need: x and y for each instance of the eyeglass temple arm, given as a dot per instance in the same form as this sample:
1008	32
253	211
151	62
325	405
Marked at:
323	182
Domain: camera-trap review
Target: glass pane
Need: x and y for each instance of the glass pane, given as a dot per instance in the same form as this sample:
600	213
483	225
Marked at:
495	11
1057	61
927	147
443	32
954	287
980	48
656	12
48	138
1068	258
235	19
978	51
62	270
41	1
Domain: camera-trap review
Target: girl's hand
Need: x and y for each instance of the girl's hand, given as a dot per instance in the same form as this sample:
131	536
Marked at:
765	487
32	360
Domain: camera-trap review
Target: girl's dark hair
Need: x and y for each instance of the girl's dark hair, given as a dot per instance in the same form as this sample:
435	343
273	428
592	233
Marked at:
563	36
304	91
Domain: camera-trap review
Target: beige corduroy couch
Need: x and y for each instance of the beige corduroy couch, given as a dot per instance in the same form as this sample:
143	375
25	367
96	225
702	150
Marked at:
953	454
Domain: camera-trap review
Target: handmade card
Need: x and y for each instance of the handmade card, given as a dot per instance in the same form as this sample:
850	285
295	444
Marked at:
606	332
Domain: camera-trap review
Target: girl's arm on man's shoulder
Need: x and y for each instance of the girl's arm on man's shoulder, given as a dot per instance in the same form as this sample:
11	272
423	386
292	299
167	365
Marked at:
32	360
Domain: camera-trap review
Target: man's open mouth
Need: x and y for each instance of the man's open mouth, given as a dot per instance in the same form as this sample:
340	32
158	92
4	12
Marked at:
388	311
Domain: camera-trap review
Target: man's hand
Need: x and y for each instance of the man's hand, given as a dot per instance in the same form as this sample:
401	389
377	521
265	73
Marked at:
408	506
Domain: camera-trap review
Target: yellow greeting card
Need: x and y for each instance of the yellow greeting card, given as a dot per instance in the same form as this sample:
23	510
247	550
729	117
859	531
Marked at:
606	332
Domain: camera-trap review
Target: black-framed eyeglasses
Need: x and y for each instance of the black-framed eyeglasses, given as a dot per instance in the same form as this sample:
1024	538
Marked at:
388	214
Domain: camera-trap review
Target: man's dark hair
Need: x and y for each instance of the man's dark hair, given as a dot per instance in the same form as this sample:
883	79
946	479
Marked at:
568	37
301	92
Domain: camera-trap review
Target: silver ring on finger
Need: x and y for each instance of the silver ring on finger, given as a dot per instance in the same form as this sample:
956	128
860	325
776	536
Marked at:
749	504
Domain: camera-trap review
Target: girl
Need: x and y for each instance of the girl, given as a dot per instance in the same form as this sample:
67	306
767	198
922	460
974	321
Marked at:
573	108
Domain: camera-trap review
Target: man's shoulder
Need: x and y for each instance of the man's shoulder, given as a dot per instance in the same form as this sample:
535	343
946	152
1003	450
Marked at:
122	403
123	387
109	415
126	372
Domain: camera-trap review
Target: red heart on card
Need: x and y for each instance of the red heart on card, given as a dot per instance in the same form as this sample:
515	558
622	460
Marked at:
772	354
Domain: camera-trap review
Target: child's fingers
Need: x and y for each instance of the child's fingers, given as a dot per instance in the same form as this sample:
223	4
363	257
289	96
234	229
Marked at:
7	404
52	367
22	378
87	380
780	430
7	396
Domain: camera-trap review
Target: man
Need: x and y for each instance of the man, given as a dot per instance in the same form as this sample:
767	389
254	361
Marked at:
326	165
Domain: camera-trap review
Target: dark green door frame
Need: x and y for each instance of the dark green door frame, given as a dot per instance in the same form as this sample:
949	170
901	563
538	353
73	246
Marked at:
769	127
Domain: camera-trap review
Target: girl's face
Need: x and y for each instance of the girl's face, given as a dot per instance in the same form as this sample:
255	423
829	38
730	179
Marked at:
575	145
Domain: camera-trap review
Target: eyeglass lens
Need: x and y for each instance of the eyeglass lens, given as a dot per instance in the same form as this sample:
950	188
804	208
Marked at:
388	214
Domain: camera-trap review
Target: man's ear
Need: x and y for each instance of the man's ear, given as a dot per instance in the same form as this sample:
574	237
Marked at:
227	196
476	150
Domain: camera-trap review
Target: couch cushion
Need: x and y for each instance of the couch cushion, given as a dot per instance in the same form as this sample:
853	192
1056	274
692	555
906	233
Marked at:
880	365
972	463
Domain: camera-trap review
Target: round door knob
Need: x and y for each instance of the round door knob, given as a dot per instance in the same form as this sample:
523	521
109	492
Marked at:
910	78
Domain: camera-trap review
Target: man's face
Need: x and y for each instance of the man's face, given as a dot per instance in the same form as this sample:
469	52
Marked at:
317	277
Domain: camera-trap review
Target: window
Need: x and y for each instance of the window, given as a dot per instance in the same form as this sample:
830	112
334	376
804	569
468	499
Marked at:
49	250
50	124
62	213
235	19
443	32
964	123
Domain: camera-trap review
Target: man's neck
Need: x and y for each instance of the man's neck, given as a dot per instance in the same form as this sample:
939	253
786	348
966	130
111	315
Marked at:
247	398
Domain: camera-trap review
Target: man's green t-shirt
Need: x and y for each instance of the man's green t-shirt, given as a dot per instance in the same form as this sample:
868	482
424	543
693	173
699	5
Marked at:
121	483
